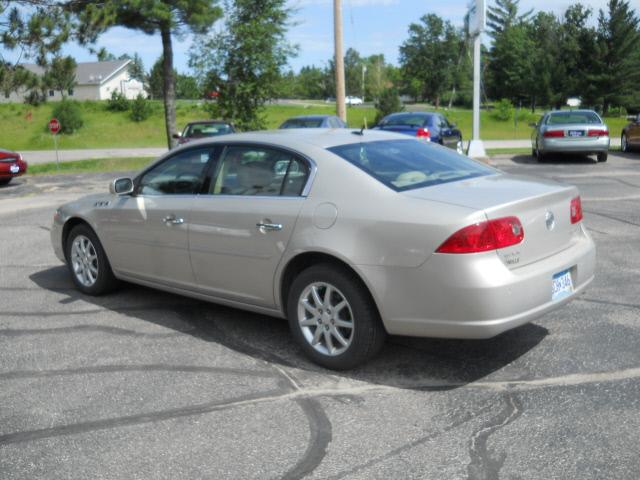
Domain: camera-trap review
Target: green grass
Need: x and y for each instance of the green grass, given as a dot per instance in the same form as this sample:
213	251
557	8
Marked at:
91	166
105	129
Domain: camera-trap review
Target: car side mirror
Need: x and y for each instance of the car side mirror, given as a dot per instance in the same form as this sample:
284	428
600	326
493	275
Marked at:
452	125
177	136
121	186
533	125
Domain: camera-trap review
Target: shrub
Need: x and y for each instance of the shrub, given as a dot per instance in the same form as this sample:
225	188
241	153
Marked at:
616	112
69	114
35	98
140	109
118	102
389	102
503	110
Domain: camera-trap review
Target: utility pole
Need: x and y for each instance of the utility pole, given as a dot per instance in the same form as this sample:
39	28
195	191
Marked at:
364	72
341	111
477	15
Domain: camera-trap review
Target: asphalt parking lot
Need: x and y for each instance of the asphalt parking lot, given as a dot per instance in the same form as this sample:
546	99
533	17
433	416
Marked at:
142	384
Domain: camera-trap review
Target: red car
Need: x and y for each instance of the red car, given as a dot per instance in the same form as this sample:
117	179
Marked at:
11	165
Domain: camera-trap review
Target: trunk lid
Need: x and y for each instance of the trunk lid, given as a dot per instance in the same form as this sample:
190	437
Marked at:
542	206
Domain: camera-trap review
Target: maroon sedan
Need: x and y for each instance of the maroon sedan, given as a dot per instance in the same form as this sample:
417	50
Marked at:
11	165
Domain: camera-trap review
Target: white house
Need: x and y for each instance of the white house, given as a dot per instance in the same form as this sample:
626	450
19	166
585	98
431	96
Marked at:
94	81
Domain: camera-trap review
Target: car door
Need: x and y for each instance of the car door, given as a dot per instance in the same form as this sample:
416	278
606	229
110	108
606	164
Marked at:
146	234
239	230
634	132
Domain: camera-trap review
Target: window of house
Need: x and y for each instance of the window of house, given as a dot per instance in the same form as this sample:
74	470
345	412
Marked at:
70	91
51	92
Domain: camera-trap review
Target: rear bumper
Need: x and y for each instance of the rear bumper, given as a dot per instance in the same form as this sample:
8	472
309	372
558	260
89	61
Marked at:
575	145
474	296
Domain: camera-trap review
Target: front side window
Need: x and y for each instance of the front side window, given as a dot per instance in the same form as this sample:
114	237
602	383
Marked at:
302	123
259	171
181	174
408	164
201	130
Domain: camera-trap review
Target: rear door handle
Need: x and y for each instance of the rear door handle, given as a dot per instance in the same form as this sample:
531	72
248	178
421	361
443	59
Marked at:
172	220
269	227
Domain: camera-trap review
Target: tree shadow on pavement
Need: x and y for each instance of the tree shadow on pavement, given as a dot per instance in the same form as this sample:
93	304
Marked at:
413	363
555	159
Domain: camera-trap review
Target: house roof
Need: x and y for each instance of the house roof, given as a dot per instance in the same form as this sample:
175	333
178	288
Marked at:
88	73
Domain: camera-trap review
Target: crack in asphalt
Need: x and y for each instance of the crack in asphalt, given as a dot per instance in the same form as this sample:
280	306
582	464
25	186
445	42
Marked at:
484	464
8	332
156	367
116	309
606	302
611	217
461	420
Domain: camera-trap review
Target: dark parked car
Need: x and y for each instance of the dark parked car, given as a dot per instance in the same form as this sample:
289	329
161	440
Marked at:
203	129
428	126
314	121
11	165
630	137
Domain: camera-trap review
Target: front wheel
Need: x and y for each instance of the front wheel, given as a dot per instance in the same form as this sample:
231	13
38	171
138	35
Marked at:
333	318
602	157
459	147
88	263
5	181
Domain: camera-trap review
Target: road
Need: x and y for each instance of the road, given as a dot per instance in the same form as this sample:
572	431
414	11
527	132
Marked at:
35	157
143	384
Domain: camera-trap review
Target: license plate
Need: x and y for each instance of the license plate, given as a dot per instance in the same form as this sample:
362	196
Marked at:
14	168
562	286
576	133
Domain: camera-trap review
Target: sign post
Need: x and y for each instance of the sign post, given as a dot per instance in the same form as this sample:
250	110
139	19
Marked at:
477	21
54	128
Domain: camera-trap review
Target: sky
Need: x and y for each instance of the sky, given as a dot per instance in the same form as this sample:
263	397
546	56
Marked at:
370	26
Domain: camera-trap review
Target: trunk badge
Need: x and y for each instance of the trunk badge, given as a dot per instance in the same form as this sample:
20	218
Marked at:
550	220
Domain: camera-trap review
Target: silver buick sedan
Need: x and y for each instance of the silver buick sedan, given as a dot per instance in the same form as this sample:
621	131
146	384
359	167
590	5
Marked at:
350	235
570	131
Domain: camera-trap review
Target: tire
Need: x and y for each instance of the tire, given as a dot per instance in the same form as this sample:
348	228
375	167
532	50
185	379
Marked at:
365	335
5	181
87	262
540	156
623	143
459	146
602	157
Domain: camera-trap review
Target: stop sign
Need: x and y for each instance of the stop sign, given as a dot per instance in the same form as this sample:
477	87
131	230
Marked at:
54	125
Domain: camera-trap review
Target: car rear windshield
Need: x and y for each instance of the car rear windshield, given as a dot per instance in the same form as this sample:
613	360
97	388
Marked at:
207	130
302	123
567	118
405	120
409	164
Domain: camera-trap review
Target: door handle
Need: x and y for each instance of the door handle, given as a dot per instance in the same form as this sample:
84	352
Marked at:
269	227
171	219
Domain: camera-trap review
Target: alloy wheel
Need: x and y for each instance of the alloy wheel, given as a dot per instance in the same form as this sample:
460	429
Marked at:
325	319
84	260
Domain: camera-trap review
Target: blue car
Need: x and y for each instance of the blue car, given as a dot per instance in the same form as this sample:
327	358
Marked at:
428	126
314	121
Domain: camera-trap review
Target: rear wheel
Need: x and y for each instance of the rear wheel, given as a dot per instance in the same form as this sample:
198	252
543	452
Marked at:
333	317
88	263
539	155
623	143
602	156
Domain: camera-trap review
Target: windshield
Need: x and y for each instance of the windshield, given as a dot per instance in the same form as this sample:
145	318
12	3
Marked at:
198	130
408	164
302	123
567	118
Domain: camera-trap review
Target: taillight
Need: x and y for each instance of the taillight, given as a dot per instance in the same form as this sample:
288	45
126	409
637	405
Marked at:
423	133
484	236
554	133
598	133
576	209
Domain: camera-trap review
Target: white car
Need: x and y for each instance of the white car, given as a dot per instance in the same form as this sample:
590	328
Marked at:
353	101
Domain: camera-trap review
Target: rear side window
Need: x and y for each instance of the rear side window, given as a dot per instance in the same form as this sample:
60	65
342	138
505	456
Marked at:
408	164
567	118
259	171
207	130
303	123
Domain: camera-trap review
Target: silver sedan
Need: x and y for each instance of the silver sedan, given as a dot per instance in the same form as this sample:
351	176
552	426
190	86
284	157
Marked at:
351	235
570	131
